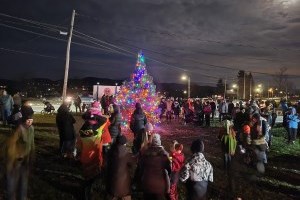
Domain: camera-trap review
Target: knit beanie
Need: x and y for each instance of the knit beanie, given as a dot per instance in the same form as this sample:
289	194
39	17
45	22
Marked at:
27	113
148	127
156	140
197	146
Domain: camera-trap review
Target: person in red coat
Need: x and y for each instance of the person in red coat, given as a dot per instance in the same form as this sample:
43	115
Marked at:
177	158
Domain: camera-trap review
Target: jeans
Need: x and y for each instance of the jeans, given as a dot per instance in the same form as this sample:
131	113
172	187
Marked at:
227	161
292	134
6	112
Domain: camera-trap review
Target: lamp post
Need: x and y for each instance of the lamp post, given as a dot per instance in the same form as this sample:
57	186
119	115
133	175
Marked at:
97	91
188	78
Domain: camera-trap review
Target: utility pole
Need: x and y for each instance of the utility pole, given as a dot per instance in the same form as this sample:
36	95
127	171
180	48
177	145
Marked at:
244	93
189	87
225	88
250	87
68	58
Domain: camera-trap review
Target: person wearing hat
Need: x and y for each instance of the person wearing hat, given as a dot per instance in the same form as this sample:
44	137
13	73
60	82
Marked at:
137	125
119	163
197	172
154	170
19	156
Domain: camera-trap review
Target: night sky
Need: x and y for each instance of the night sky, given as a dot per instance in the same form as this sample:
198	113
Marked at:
207	39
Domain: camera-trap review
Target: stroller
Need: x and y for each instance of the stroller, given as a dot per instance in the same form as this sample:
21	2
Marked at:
48	108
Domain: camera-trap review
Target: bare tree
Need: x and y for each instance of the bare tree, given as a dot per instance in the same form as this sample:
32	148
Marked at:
281	79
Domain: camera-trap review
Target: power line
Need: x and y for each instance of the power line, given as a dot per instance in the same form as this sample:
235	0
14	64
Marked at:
49	56
175	35
34	22
202	51
122	49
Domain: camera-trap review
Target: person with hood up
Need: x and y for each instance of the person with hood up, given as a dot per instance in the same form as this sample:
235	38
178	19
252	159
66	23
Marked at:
154	170
177	158
292	120
197	172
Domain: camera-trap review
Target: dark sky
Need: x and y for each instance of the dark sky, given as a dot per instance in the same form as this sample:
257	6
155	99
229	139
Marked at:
207	39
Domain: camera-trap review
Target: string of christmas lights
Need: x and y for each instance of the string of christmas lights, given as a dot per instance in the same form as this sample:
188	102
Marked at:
139	89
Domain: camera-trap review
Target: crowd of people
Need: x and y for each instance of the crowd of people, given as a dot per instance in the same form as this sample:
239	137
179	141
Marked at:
101	148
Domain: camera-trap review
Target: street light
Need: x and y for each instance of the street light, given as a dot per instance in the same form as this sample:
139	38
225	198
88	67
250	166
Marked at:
235	86
270	93
97	91
188	78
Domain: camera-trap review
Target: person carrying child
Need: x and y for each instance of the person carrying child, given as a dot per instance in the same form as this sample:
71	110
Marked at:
94	134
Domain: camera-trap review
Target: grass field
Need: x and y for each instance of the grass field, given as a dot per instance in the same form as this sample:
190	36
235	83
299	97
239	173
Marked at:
55	178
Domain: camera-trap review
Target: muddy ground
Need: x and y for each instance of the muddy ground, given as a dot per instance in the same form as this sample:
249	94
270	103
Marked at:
55	178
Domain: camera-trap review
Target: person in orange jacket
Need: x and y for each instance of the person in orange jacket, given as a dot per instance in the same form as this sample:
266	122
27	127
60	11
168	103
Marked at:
93	136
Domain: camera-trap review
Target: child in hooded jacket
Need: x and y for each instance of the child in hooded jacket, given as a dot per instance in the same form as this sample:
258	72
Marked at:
177	158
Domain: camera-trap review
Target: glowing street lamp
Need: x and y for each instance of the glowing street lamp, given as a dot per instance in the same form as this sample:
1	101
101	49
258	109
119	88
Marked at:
97	90
235	86
188	78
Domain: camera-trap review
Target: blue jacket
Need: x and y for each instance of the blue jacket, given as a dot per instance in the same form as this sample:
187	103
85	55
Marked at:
293	119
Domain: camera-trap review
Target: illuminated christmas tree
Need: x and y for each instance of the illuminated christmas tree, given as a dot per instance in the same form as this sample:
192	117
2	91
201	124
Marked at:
139	89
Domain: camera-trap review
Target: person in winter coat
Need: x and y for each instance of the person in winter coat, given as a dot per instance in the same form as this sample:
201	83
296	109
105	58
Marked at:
207	112
115	122
228	142
93	135
197	172
258	141
177	110
19	156
137	125
292	120
154	170
223	109
177	158
7	103
118	170
65	124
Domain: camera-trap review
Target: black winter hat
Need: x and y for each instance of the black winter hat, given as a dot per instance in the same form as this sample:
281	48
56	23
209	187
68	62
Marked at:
27	112
197	146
